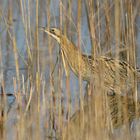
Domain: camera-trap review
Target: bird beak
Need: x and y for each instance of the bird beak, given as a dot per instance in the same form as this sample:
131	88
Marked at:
50	33
45	30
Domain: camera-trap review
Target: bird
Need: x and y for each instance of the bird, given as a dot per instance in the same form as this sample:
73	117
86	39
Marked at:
120	109
117	76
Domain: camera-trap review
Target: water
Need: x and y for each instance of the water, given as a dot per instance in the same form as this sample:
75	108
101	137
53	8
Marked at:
7	66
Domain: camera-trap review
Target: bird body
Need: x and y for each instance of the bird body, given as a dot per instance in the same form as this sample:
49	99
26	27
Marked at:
115	74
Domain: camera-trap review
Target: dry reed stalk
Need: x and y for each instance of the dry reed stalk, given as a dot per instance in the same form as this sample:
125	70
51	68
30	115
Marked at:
125	36
37	72
90	7
79	19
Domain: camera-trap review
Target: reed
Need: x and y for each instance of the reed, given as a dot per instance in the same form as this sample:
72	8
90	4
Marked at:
48	100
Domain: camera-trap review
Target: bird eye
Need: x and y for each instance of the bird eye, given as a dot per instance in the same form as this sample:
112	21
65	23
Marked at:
52	30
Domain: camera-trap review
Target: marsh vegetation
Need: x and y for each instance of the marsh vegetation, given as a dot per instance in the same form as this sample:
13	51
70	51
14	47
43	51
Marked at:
43	99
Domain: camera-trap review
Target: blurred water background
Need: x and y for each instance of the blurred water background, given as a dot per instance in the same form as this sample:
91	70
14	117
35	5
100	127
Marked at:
18	20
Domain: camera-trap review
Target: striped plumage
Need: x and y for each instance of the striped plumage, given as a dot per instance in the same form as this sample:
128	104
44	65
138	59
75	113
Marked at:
123	109
119	110
89	67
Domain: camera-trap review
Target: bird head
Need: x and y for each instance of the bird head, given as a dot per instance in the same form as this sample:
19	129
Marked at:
54	32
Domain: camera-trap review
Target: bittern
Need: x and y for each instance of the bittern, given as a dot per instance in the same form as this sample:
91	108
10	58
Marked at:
90	66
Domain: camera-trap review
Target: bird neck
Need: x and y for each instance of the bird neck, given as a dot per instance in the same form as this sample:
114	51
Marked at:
79	63
69	49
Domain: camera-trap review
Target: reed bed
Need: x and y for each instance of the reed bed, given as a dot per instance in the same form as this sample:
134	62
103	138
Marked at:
41	99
